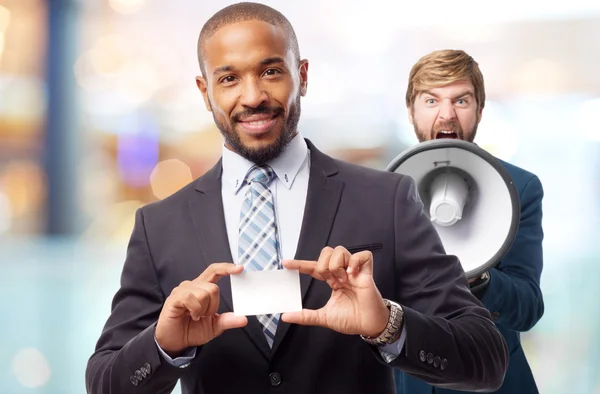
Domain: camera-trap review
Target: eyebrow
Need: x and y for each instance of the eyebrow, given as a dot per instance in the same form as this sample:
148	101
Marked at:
265	62
272	60
462	94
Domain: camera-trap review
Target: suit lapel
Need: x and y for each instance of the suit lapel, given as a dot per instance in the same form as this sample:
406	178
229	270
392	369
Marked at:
206	208
322	200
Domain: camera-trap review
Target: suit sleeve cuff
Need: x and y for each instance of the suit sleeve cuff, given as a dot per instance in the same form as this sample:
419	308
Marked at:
180	362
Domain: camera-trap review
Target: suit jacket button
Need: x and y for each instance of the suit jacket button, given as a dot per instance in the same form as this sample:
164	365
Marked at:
275	379
444	364
437	361
422	356
133	380
139	375
148	368
429	358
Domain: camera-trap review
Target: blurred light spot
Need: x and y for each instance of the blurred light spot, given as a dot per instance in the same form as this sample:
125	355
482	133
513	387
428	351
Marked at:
137	150
588	120
541	76
98	68
31	368
5	213
1	43
168	177
126	6
4	22
100	185
184	110
85	76
4	18
113	224
122	70
22	98
108	55
139	80
23	182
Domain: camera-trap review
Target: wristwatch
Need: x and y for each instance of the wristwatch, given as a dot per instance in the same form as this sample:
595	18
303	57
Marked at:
392	330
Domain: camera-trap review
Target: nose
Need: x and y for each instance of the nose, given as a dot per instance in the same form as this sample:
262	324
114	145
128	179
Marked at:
447	111
253	93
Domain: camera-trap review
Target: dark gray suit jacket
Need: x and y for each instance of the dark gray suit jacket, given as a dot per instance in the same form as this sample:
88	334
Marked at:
450	337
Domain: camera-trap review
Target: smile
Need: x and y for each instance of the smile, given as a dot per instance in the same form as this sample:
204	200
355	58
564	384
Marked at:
257	126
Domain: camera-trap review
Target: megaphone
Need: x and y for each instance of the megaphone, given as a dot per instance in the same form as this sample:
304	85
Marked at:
469	197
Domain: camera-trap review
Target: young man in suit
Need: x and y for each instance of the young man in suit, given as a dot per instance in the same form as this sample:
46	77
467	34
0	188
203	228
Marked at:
445	99
378	290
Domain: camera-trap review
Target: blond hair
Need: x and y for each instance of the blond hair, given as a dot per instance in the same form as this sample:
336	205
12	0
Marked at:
441	68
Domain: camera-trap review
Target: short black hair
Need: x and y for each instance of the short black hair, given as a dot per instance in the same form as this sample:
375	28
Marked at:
246	11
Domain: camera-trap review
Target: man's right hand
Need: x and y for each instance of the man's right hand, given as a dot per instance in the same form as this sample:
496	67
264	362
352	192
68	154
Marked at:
189	316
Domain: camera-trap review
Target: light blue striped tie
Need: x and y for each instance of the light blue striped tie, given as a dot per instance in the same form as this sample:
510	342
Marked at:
258	245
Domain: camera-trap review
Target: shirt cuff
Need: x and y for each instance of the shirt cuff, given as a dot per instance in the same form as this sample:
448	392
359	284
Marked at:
180	362
391	351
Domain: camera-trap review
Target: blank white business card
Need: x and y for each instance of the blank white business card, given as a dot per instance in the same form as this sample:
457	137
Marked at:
266	292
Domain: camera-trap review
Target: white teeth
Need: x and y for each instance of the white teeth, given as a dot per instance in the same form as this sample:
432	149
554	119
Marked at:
446	132
258	123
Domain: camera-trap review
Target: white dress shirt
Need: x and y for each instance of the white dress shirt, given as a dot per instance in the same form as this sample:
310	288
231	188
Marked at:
289	189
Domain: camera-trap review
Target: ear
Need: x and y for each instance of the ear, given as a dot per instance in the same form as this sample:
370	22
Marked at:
480	114
303	76
202	86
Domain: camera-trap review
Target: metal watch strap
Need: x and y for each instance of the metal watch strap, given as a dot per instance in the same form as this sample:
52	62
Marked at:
392	330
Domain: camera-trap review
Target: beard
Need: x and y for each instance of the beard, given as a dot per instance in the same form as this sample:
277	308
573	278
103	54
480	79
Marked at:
264	154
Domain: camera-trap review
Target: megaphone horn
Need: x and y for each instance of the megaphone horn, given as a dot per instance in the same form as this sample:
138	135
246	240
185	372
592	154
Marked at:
469	197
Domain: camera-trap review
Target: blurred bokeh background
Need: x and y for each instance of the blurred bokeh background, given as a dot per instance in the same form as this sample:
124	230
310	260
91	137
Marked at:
99	115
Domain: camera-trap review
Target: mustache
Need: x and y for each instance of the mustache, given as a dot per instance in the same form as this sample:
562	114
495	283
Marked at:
260	110
451	125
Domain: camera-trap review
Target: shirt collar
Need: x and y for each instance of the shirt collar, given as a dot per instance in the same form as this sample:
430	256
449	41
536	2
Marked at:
286	166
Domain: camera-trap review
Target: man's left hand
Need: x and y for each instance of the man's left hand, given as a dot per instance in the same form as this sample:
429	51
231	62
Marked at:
355	306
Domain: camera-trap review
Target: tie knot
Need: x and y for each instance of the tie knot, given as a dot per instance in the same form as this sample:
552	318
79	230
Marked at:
262	174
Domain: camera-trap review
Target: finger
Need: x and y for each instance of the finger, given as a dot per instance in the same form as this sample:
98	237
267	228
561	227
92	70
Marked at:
227	321
206	293
322	266
213	297
216	271
197	299
361	262
339	262
305	317
304	266
194	304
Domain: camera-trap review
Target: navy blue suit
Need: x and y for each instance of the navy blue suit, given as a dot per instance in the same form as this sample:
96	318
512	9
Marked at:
513	294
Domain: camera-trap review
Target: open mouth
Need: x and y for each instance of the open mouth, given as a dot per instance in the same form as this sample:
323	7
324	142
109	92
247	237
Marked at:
442	134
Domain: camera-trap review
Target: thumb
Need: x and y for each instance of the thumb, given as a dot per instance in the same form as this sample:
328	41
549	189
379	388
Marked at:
306	317
227	321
